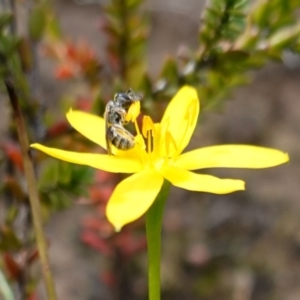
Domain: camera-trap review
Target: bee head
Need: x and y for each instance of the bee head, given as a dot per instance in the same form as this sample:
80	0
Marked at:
124	100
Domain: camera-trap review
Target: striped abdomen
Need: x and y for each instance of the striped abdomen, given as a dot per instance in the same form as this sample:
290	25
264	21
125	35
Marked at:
120	137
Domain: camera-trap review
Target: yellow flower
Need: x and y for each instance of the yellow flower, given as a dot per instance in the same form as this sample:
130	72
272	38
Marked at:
157	155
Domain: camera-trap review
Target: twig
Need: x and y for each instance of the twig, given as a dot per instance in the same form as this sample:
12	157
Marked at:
32	190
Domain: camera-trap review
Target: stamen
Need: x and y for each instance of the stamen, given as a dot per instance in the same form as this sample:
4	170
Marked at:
149	142
139	138
140	145
137	127
133	111
140	141
148	126
148	132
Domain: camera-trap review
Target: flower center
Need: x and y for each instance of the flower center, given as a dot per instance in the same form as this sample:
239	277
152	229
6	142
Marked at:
159	143
156	144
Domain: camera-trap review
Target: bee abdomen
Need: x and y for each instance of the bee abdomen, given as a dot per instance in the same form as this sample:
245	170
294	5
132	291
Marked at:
124	141
125	144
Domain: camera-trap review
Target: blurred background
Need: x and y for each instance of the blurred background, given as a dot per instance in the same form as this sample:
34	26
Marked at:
240	246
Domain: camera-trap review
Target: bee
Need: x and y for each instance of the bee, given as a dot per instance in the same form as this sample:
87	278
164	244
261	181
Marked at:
125	100
115	119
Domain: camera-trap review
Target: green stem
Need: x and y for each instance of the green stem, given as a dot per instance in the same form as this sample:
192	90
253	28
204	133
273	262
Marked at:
32	190
5	289
153	231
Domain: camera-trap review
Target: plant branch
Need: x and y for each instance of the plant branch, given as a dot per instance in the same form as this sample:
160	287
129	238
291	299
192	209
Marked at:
32	189
123	43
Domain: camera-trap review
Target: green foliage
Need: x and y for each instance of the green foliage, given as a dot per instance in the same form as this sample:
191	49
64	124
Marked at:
235	37
60	182
126	27
8	44
223	20
271	16
11	65
5	19
37	21
9	240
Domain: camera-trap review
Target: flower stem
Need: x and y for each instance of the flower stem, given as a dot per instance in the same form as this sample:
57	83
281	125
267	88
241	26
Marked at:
32	190
153	231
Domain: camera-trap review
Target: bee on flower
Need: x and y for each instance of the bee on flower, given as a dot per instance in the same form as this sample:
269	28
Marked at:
116	116
157	154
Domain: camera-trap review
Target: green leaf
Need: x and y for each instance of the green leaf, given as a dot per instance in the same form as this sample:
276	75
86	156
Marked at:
170	70
5	289
8	45
133	5
284	37
8	240
53	27
5	19
60	182
223	20
37	22
146	85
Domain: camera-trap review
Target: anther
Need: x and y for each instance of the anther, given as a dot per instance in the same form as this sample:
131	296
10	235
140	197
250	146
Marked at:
148	126
133	111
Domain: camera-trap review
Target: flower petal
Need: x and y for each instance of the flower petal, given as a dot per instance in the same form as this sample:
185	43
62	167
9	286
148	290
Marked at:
99	161
90	126
132	197
231	156
181	116
201	183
